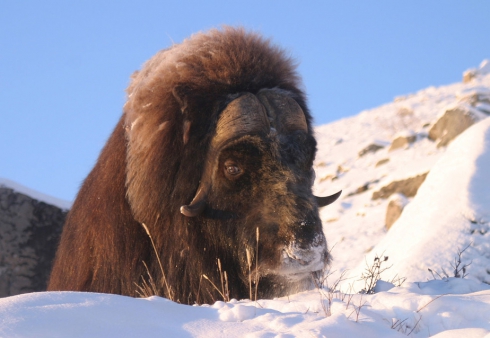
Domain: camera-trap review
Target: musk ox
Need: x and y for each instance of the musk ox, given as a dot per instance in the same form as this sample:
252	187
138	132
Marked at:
215	142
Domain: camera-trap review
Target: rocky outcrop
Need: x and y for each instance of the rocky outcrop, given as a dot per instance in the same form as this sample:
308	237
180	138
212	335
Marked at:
382	161
29	234
372	148
407	187
366	186
471	74
474	97
451	124
402	141
394	210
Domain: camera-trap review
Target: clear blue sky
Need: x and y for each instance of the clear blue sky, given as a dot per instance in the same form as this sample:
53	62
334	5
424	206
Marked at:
64	65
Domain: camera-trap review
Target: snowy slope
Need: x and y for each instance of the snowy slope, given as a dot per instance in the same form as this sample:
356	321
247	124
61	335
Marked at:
355	224
449	212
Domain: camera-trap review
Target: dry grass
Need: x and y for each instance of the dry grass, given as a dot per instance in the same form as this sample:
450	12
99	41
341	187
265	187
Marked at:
328	291
459	268
249	263
149	287
257	264
224	292
372	274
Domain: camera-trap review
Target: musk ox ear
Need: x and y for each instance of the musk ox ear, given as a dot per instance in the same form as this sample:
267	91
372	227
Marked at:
324	201
284	112
243	116
180	95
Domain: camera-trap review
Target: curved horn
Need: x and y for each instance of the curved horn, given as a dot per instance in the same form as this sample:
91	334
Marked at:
284	112
242	116
324	201
196	206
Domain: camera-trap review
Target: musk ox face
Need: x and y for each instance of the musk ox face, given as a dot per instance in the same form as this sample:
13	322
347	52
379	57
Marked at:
215	143
258	175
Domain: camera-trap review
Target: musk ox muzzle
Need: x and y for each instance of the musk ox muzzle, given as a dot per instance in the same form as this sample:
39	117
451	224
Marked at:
298	262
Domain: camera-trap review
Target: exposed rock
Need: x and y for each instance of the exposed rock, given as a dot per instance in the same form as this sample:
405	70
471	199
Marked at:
451	124
394	210
341	170
407	187
404	111
474	96
29	234
372	148
402	141
327	177
360	190
382	161
470	74
363	188
402	98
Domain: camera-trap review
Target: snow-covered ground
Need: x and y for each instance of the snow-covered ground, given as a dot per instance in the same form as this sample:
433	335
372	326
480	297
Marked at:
436	308
448	219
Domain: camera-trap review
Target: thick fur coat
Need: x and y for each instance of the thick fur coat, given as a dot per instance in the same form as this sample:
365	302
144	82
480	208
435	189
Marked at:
153	164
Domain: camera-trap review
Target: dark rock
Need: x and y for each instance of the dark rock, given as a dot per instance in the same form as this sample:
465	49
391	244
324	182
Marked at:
363	188
29	234
372	148
360	190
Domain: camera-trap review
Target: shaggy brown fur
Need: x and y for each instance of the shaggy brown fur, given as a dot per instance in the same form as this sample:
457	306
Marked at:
153	164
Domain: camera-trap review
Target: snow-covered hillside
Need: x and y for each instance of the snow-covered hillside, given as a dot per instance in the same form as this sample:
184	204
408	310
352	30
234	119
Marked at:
356	224
406	156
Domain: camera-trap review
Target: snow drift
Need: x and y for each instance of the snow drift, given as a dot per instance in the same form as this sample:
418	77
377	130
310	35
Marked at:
451	212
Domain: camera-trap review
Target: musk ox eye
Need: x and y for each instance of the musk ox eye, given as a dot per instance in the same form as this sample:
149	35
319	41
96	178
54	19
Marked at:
232	169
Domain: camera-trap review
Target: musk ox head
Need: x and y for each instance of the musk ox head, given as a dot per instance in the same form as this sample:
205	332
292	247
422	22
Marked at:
214	156
258	174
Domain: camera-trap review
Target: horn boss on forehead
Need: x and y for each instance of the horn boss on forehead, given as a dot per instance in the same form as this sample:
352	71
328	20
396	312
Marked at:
284	112
244	115
250	114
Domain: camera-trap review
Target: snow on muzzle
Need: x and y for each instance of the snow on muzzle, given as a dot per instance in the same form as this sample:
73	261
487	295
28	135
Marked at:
298	263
